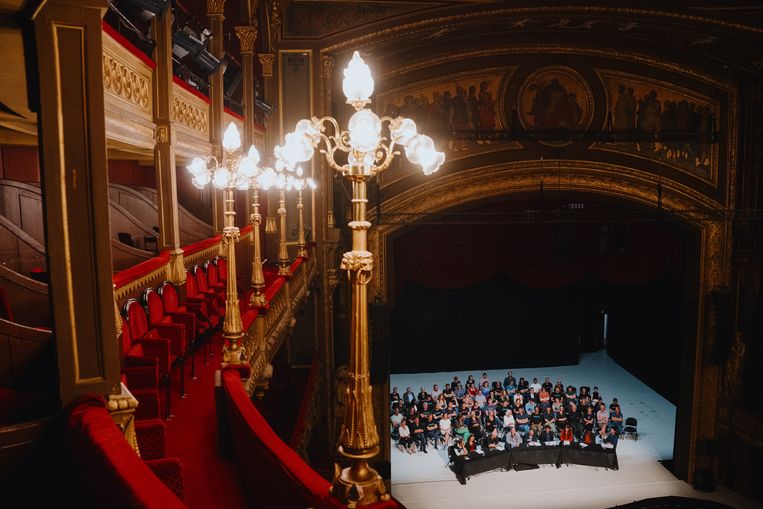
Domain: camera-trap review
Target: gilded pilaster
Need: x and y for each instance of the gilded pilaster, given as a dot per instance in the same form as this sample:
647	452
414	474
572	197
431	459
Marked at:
215	9
164	149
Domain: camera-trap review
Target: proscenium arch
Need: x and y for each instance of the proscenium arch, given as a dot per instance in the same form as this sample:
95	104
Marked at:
438	194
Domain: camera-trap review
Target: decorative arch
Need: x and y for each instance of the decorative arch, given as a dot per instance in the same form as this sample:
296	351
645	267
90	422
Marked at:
622	183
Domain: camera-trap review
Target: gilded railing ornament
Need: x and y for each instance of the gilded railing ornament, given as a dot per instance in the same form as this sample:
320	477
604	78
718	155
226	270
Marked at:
190	115
125	82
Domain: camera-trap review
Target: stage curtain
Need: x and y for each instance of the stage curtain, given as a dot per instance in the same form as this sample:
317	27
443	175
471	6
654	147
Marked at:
537	255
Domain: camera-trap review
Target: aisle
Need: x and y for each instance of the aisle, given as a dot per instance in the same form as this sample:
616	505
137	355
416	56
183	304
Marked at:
210	480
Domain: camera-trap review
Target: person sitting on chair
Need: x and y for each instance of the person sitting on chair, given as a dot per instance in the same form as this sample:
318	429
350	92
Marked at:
461	431
531	438
459	448
602	416
565	436
419	434
612	438
522	422
616	419
508	419
471	444
547	435
405	438
396	418
409	397
433	430
513	439
493	440
446	428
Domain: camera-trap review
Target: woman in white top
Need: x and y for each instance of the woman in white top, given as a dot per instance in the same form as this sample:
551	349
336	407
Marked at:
508	420
445	428
405	438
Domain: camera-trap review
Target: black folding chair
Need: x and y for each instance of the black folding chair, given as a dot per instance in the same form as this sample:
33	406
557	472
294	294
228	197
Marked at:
631	428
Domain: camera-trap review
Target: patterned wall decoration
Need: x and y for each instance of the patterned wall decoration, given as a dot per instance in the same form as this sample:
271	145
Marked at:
463	104
318	19
554	101
684	120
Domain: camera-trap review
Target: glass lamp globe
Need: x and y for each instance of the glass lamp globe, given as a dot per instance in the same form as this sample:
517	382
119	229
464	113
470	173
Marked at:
402	130
221	178
267	178
231	138
197	166
254	155
365	131
201	179
358	84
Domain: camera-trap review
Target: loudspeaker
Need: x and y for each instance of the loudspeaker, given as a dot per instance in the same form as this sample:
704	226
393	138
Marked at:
704	480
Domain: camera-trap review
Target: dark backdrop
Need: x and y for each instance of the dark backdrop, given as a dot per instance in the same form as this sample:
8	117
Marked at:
527	295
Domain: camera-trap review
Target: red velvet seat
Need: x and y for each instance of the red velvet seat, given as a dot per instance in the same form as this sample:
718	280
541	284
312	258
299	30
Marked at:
152	438
208	308
140	329
171	302
113	474
214	281
202	284
214	300
158	317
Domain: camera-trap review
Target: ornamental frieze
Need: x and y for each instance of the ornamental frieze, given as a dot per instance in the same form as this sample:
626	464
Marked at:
125	82
190	115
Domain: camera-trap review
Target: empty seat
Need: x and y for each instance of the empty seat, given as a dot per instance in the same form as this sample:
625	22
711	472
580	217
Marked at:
125	238
631	428
171	302
183	321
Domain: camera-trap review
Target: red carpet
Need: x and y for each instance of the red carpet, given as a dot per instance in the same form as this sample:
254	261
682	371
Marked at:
210	480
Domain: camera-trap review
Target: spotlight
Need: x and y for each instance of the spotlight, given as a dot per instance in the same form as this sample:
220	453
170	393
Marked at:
148	8
187	42
265	107
232	79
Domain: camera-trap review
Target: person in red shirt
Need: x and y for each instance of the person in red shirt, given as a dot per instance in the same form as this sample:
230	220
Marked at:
566	434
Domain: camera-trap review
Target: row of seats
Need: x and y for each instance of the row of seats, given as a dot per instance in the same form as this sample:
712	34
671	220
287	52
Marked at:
159	332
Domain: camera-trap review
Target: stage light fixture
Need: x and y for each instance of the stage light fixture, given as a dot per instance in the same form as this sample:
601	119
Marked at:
147	9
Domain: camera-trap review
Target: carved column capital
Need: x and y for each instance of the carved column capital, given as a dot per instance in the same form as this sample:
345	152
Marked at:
122	407
247	35
215	7
266	61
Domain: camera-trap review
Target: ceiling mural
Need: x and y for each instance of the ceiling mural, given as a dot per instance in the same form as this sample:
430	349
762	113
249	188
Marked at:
555	103
461	109
661	122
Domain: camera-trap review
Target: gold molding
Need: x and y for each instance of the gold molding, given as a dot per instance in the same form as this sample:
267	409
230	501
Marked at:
247	35
125	82
190	115
453	20
266	61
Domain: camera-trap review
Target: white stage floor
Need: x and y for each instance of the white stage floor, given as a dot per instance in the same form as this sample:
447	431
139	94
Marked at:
423	481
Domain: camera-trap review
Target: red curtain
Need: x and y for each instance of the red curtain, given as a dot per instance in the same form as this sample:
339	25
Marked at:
535	255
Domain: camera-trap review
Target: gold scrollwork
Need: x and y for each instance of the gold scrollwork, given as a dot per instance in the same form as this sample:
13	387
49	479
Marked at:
123	81
189	115
266	61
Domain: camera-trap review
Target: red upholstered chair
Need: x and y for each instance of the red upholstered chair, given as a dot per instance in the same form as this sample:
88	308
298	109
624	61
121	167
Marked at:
152	438
140	329
158	317
195	297
214	280
202	283
171	302
145	361
222	275
115	476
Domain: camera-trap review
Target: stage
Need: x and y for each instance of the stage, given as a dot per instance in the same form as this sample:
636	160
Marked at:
423	481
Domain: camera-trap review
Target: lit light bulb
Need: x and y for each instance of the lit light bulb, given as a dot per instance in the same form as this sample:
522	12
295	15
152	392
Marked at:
247	166
402	130
231	138
309	129
358	84
221	178
311	183
242	182
434	163
254	155
365	131
267	178
300	171
197	166
202	179
421	150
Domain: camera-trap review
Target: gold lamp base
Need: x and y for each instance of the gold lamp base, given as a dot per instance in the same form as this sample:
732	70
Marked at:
358	485
233	353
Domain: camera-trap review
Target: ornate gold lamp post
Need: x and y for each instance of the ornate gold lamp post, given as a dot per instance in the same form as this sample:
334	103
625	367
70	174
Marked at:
368	153
236	171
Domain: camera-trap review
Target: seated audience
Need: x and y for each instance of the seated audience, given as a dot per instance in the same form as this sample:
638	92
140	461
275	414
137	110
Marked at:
536	420
433	430
602	416
522	422
565	436
459	448
531	438
409	397
446	428
535	386
471	444
405	438
462	431
616	419
435	392
419	434
612	438
396	419
547	435
513	439
549	419
492	441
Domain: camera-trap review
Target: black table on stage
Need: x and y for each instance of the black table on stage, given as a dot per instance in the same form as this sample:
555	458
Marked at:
593	456
474	463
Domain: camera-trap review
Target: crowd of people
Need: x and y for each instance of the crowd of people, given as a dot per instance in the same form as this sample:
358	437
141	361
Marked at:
493	415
